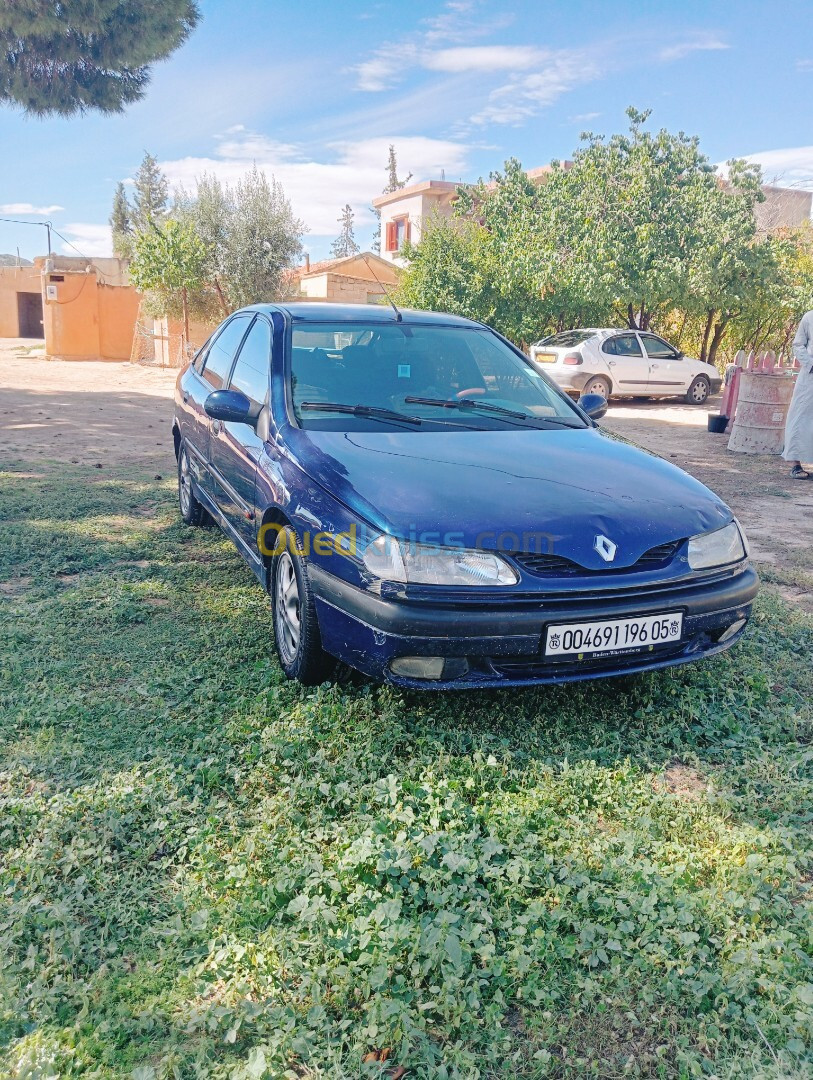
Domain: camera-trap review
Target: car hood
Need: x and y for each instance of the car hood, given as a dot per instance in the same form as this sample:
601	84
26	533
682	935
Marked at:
495	489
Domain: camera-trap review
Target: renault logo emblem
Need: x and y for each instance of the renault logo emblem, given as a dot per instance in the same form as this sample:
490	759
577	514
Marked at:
606	548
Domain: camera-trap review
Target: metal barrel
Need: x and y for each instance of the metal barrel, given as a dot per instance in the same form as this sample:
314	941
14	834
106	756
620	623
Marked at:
762	408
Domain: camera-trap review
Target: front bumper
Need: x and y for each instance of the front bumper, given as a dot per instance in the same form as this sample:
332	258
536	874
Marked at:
503	642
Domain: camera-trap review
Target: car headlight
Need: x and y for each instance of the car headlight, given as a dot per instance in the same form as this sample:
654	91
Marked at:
419	564
717	548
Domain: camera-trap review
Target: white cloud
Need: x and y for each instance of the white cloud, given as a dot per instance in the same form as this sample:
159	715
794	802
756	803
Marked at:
89	239
523	96
700	42
484	58
355	171
460	21
385	67
792	167
27	208
804	65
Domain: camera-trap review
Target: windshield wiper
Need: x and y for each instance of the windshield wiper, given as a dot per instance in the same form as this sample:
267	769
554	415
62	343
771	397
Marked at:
486	406
468	403
373	411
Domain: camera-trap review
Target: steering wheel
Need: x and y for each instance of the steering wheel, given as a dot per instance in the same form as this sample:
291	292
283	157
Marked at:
473	391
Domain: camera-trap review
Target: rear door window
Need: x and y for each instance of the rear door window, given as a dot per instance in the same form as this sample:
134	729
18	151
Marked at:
623	345
222	351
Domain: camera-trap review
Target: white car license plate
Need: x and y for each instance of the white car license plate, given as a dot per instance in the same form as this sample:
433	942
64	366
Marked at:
546	357
614	635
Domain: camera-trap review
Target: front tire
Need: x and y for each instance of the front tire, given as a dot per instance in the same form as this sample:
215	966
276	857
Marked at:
296	629
192	511
699	391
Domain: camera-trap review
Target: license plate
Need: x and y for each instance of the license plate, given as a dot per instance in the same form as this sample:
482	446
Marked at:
546	357
614	635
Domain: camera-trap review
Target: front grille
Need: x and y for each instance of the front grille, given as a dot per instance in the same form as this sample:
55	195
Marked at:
558	566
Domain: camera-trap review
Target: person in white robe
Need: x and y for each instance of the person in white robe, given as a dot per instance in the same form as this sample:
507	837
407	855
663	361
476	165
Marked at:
799	425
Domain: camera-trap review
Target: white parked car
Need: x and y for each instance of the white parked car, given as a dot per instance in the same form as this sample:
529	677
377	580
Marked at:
619	363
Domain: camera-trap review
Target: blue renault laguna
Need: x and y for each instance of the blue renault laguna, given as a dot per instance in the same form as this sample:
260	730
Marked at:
421	503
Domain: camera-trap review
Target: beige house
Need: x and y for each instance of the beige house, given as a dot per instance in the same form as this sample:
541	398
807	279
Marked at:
355	279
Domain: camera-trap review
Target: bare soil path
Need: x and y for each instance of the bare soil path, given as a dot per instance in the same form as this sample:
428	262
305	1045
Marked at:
109	414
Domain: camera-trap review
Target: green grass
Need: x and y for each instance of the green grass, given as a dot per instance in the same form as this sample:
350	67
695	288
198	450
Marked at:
209	872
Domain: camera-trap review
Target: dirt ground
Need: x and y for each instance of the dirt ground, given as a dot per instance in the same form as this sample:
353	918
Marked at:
108	414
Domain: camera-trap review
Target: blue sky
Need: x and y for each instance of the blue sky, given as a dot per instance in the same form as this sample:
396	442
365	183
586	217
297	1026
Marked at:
315	91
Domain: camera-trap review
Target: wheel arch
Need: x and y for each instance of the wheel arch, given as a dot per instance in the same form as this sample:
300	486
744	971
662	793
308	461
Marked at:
272	515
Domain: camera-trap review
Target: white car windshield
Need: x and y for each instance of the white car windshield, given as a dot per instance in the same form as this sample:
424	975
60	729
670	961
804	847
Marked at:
350	375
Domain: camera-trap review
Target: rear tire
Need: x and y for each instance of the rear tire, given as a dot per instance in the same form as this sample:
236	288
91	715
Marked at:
192	511
597	384
698	392
296	628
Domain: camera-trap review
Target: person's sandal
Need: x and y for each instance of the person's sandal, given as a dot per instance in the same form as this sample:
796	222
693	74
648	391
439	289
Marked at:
798	473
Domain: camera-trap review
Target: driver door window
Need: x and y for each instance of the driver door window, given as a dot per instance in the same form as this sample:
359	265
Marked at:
666	368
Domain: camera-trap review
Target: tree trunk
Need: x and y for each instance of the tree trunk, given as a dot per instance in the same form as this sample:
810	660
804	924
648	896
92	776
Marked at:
224	307
704	347
682	330
631	317
185	299
719	330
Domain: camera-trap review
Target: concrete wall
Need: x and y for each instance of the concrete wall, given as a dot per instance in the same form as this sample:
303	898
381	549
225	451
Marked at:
15	279
118	311
90	317
342	289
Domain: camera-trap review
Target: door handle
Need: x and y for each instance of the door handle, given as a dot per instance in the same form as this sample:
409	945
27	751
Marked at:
611	363
215	427
653	366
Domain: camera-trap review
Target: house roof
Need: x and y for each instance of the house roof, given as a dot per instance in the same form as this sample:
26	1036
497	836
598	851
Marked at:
341	266
435	187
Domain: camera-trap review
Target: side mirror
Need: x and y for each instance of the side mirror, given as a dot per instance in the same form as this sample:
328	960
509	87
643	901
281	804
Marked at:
679	355
230	405
594	405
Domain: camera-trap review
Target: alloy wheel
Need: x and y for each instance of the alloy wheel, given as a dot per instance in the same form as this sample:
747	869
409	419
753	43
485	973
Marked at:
286	608
185	485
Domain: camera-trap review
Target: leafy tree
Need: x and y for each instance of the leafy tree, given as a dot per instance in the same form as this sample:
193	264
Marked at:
64	58
151	195
168	263
264	241
345	243
250	236
638	229
121	224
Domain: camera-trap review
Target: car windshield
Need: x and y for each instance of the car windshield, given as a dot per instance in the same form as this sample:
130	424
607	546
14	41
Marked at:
449	377
568	339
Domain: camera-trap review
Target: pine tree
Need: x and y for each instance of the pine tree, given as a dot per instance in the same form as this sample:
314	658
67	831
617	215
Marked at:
393	184
121	224
345	243
64	58
150	196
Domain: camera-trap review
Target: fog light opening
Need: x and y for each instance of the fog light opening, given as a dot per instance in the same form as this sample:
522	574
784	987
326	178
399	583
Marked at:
730	631
417	667
429	667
